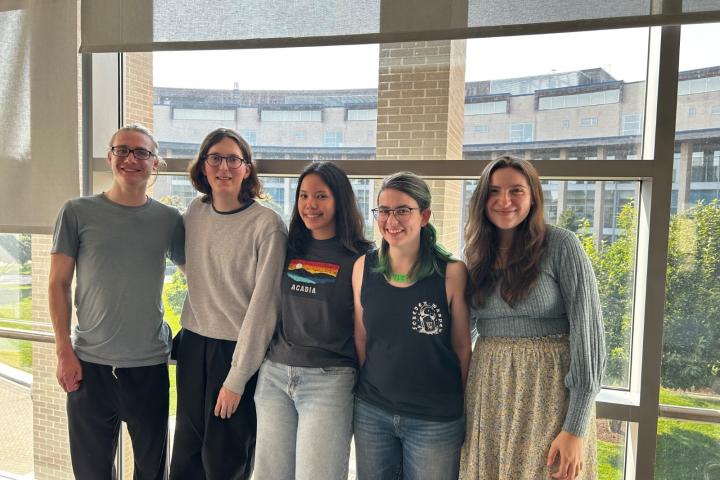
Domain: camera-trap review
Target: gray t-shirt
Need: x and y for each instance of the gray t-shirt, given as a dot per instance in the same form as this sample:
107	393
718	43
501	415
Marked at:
119	257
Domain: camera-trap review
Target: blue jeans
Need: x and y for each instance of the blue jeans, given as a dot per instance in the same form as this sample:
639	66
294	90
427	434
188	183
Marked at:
392	447
304	420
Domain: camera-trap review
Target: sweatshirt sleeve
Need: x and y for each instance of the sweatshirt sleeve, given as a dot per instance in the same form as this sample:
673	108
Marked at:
578	286
262	312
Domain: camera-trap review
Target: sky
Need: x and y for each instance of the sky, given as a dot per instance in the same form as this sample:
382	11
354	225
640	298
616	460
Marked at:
623	53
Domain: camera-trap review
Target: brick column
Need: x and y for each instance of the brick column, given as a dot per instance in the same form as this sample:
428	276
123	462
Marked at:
421	100
51	449
138	109
139	88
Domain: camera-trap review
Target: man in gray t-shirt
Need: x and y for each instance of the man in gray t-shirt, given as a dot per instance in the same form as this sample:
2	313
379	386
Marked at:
114	366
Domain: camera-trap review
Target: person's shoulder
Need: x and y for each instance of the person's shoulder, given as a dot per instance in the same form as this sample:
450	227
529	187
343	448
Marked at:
456	268
558	236
561	242
166	209
267	215
80	205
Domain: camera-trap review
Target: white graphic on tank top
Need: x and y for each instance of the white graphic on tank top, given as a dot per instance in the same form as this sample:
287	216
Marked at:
427	318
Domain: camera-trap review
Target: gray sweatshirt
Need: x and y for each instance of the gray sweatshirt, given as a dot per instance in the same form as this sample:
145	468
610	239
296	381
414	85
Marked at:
234	266
564	300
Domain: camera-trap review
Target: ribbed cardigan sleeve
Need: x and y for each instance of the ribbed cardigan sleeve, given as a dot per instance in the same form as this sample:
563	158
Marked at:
578	287
262	312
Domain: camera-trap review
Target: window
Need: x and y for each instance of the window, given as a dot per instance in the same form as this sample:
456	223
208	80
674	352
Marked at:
579	100
566	124
366	114
333	138
699	85
521	132
291	115
692	111
632	124
203	114
486	108
715	110
481	129
589	122
250	136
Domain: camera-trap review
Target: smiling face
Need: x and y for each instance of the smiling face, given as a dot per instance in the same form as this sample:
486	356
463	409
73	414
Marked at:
225	182
509	199
316	206
129	171
404	232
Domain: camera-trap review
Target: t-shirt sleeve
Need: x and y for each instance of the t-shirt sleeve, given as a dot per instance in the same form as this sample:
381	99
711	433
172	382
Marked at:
66	238
176	252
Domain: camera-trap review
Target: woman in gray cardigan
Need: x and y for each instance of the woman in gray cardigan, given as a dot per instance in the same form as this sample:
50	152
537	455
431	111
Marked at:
540	354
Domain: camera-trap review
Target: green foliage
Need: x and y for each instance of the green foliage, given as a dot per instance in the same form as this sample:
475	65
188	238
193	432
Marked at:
173	299
18	246
568	220
691	355
613	264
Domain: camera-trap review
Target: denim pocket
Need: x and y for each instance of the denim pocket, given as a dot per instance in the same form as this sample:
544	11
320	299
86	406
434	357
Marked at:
338	370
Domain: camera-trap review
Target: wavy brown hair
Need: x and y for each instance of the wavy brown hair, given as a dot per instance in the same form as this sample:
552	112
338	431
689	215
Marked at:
251	187
482	240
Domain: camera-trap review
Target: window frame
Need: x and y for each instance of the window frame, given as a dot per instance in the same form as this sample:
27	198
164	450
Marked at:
639	406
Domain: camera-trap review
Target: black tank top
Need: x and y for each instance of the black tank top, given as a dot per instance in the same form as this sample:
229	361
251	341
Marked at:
410	368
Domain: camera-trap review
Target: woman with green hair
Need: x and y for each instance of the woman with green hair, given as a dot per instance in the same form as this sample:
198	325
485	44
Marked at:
412	338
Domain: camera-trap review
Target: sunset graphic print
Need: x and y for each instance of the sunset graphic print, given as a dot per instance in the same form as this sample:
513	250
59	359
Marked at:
312	278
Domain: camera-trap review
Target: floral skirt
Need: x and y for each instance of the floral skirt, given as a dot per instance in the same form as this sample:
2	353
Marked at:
515	403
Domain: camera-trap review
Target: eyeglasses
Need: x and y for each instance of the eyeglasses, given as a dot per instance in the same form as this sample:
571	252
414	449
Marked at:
401	213
233	161
123	151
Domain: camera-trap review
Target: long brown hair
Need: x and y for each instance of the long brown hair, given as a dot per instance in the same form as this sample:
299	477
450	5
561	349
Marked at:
522	267
251	187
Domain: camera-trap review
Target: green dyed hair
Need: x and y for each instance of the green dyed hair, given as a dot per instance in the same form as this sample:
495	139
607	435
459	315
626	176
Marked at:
432	256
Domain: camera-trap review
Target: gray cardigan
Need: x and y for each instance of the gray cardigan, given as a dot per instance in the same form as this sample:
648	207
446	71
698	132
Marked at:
564	300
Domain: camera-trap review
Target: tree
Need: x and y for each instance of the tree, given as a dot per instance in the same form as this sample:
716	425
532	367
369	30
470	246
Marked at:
613	264
691	355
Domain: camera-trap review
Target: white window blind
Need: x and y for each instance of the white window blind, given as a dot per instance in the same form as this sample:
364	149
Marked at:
39	123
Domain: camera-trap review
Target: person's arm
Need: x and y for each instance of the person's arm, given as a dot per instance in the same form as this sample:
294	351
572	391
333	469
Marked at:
578	286
69	370
360	334
455	282
176	252
259	322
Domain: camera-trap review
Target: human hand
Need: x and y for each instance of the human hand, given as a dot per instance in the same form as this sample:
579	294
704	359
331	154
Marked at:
69	370
569	448
227	403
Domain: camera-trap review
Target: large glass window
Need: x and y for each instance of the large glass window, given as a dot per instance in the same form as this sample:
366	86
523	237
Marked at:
569	90
691	351
286	102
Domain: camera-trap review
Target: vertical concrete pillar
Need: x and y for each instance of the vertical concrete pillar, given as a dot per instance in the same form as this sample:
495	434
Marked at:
421	99
599	204
684	176
562	187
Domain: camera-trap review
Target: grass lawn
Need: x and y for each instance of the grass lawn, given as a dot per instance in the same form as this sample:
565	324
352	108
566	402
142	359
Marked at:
686	449
610	460
17	353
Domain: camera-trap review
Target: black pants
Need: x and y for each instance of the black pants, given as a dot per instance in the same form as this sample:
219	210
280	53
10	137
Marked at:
206	446
139	397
